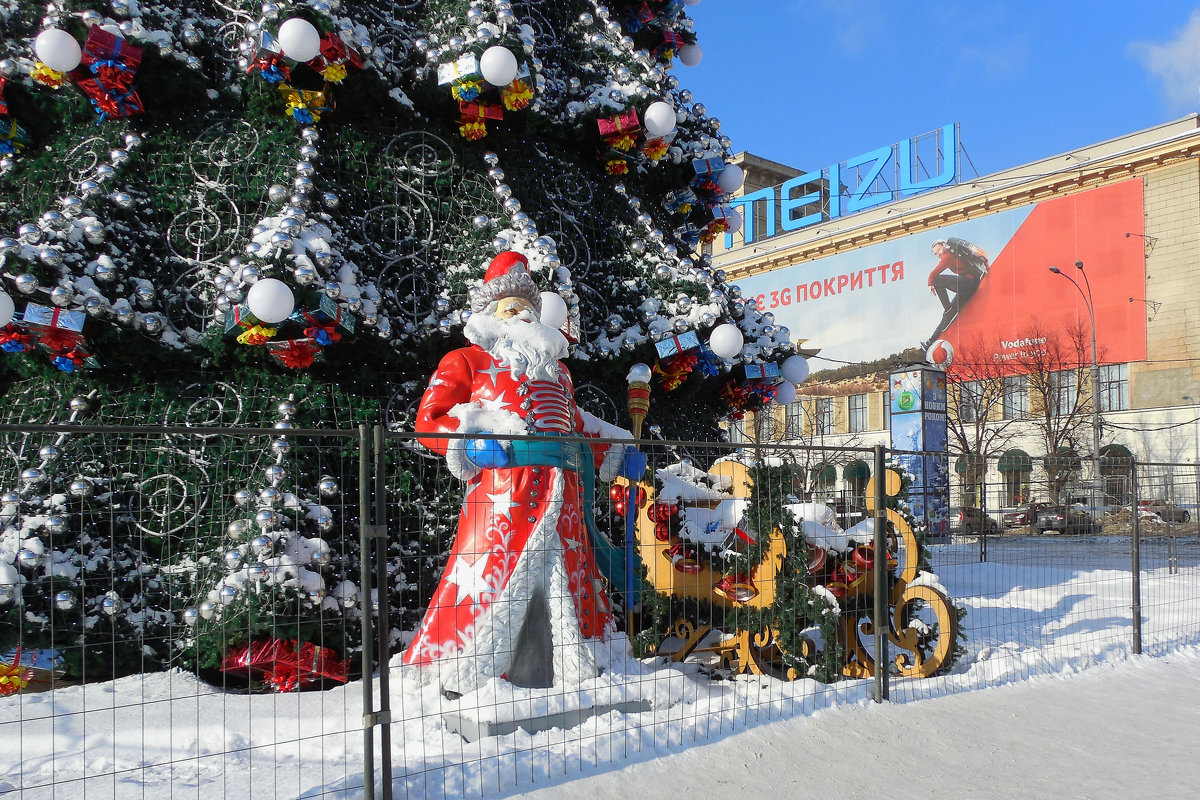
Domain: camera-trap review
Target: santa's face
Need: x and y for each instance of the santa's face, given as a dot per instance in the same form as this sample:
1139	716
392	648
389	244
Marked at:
512	332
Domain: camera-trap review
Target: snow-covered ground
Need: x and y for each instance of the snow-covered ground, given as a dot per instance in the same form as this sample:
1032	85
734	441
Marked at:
1068	711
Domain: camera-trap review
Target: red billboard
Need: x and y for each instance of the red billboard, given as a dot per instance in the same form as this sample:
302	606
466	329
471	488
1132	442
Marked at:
982	285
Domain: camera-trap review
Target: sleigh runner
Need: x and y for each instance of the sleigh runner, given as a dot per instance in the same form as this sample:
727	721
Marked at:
838	565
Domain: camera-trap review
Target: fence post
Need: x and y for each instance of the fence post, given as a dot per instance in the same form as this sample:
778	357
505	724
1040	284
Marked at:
364	580
1135	566
383	627
881	575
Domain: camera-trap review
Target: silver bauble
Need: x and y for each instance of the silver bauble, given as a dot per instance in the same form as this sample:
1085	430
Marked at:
227	594
270	496
50	256
275	475
123	200
281	446
237	528
262	544
32	476
328	487
324	258
190	617
258	572
153	324
480	221
208	610
65	601
233	558
28	559
243	497
49	452
304	275
324	521
330	200
111	606
79	404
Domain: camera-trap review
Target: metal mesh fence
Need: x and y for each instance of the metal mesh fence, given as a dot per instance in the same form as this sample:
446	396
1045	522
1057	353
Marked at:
199	615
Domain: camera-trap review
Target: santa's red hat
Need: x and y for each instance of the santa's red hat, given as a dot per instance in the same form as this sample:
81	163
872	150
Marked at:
507	276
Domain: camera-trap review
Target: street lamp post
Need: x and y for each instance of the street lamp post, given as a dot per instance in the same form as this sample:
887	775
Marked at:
1095	370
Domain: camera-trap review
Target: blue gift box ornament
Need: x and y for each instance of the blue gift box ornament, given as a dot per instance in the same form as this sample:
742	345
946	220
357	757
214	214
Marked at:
684	343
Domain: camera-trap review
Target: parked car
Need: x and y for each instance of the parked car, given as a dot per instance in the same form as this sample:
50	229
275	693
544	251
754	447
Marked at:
1166	511
965	520
1026	515
1065	519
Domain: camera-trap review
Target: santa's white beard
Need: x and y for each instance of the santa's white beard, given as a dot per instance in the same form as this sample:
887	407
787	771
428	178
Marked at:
521	343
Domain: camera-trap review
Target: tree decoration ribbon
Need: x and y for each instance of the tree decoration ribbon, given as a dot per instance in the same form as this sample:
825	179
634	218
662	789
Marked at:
14	139
109	105
272	68
48	76
517	95
673	372
466	91
295	353
303	105
14	677
256	335
15	340
323	335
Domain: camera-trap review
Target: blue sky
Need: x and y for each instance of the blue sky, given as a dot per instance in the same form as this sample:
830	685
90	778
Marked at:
813	82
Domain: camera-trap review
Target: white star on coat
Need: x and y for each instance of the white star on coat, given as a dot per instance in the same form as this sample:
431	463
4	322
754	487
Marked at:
469	580
493	371
503	503
497	403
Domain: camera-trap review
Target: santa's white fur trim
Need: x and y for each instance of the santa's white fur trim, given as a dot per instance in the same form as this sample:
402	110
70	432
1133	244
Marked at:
474	418
615	454
488	649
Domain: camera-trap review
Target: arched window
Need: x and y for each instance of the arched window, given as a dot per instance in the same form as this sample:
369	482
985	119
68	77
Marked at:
1116	469
1015	467
856	474
824	479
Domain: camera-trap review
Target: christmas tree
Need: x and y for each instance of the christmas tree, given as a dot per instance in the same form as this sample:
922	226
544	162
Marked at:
268	215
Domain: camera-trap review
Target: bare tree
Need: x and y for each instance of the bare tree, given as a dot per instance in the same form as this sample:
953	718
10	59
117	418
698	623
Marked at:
975	423
1056	364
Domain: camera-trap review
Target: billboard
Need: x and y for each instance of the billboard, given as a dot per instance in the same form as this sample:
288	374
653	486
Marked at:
869	303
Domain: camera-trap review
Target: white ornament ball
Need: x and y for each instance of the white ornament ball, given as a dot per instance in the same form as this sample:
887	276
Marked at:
57	49
690	55
794	369
554	310
271	300
498	66
659	119
7	309
733	218
299	40
726	340
731	178
785	393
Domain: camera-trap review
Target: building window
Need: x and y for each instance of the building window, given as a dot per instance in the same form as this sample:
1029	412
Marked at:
1063	389
794	421
858	413
1114	387
970	396
1016	399
824	421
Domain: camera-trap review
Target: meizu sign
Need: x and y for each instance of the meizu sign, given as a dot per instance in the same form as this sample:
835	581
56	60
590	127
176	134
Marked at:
851	186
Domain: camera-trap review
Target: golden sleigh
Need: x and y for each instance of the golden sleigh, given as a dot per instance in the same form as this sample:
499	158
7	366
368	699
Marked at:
922	620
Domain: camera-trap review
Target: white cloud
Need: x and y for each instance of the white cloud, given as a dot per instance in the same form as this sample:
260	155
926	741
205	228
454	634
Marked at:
1175	62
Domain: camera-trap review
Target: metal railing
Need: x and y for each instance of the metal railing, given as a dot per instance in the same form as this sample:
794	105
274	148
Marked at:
207	609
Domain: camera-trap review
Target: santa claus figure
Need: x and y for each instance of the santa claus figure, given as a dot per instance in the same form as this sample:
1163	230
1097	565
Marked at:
521	592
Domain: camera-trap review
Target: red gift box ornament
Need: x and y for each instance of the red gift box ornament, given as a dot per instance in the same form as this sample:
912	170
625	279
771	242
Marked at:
336	59
110	59
286	666
620	132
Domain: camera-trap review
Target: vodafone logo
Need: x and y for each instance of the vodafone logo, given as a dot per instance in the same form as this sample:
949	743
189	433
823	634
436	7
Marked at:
940	353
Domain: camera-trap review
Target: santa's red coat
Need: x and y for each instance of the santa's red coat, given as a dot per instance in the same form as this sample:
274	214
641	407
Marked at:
520	527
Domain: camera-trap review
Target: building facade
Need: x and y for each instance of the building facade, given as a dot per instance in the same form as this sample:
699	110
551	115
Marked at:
1029	351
